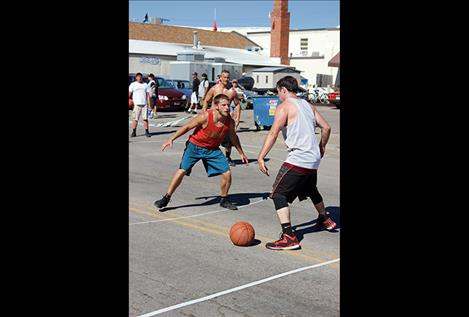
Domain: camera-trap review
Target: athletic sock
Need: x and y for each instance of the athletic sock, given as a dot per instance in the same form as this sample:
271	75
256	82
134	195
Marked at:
286	228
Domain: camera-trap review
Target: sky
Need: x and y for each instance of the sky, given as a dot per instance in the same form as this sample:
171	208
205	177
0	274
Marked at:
304	14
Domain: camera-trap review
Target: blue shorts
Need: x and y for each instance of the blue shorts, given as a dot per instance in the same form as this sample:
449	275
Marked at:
215	162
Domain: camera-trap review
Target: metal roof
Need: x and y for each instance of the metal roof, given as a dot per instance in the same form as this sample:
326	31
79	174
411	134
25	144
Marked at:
231	55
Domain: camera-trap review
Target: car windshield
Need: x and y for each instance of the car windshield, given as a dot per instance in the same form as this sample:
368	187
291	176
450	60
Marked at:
164	84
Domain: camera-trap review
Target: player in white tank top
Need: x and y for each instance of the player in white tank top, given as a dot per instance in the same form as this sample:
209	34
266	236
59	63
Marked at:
297	119
300	138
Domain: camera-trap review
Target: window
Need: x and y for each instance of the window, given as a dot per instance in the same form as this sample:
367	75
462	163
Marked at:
266	79
322	80
257	79
304	44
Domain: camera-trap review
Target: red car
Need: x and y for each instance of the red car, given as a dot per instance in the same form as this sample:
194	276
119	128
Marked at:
334	98
168	97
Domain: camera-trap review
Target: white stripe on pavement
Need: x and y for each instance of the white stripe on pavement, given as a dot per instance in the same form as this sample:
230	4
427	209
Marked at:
235	289
197	215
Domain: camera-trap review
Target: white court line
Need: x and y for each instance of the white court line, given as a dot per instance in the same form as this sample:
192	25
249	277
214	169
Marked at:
197	215
231	290
247	145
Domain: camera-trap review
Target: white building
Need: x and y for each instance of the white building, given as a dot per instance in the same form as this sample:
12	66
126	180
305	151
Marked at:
310	50
267	77
154	48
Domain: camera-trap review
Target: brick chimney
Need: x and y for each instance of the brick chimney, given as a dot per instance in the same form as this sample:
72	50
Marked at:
280	31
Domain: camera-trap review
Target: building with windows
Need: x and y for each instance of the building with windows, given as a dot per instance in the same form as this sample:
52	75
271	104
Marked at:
267	77
310	51
170	51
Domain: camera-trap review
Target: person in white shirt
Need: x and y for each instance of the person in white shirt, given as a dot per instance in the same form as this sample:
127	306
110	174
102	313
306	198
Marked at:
297	120
138	91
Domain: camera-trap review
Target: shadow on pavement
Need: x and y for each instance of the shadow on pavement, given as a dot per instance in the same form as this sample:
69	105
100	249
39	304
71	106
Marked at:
239	162
241	130
240	199
162	132
255	242
313	226
161	116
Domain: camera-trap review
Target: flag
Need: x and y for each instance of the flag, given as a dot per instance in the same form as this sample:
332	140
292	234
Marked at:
146	18
215	20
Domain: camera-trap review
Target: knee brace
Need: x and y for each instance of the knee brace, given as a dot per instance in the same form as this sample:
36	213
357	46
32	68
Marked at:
280	201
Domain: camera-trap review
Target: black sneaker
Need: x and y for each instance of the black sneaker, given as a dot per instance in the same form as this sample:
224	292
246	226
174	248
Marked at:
133	135
225	203
147	134
163	202
286	242
230	162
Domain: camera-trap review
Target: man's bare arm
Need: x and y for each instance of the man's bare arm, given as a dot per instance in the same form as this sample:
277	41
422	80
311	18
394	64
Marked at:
199	120
238	109
325	130
208	97
324	126
280	120
237	144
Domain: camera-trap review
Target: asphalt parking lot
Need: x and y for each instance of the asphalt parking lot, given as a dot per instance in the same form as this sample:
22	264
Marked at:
182	262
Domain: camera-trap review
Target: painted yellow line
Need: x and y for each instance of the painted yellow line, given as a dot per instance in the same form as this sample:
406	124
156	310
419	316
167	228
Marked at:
224	233
306	250
225	229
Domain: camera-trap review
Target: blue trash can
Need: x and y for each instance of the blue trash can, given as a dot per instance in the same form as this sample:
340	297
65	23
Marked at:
264	110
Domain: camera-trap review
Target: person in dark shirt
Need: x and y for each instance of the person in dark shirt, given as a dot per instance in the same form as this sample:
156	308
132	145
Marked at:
195	93
153	91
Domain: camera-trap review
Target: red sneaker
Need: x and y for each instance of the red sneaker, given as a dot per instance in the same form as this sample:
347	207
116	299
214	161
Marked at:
286	242
326	222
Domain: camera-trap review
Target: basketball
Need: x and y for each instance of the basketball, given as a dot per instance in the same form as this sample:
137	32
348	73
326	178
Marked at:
242	234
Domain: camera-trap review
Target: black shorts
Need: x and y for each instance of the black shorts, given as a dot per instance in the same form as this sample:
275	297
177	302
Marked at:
292	184
152	102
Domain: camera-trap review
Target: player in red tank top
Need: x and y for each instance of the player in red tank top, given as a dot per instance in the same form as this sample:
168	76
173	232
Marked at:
211	127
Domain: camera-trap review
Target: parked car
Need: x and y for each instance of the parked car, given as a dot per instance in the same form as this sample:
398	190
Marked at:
182	85
246	81
168	97
247	95
334	98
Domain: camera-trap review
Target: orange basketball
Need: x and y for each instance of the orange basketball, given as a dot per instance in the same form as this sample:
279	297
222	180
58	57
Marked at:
242	234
